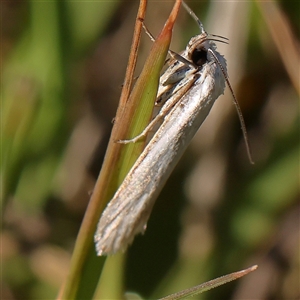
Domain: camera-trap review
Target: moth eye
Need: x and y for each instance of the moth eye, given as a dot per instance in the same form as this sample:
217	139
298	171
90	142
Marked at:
199	57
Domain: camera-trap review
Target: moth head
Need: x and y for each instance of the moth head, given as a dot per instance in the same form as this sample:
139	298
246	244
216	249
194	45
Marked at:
198	56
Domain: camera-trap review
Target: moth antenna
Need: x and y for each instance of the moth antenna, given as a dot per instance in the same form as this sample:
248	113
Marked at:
237	107
216	40
193	15
219	36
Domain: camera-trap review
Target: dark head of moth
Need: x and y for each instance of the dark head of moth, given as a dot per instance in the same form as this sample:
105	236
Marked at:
199	57
200	45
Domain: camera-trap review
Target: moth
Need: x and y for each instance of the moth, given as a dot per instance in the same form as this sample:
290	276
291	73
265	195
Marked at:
187	91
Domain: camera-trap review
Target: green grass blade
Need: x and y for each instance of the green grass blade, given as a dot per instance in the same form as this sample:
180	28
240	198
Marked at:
209	285
132	117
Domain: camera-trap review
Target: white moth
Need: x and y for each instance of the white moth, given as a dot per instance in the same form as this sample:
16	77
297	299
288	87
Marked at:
188	89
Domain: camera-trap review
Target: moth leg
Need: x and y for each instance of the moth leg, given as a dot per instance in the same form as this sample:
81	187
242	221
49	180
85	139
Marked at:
170	102
178	57
173	54
148	32
162	113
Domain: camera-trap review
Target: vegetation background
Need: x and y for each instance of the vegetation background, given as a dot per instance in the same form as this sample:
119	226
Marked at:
63	64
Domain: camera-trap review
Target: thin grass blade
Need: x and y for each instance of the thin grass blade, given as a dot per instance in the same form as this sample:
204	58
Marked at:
209	285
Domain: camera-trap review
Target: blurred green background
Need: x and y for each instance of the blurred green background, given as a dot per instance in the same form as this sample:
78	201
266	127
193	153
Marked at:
63	64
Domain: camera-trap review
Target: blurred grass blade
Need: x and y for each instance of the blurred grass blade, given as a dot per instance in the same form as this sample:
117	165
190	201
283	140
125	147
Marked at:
132	296
132	117
209	285
284	39
110	285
